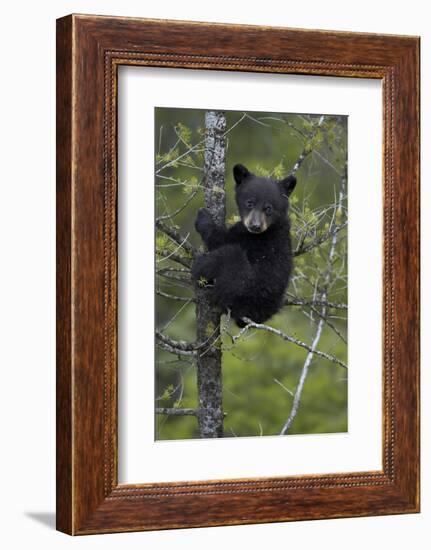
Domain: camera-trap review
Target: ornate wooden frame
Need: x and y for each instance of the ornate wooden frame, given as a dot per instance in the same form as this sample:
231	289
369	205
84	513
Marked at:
89	51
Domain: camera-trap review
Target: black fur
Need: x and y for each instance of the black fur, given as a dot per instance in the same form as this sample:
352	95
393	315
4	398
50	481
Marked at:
247	267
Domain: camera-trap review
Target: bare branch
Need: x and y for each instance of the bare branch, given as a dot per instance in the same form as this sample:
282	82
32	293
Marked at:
303	248
327	162
179	311
283	386
176	412
181	347
288	338
300	160
173	297
313	303
318	333
176	236
164	270
304	372
180	209
167	255
177	347
235	124
175	160
171	275
324	316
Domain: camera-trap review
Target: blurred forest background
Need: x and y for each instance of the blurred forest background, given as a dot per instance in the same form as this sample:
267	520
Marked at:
268	381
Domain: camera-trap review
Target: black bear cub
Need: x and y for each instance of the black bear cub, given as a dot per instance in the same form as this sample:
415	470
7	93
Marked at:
247	267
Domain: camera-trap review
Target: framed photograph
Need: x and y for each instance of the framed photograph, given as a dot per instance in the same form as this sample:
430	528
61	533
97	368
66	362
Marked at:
237	274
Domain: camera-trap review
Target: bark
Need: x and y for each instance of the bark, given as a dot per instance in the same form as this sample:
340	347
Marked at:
209	373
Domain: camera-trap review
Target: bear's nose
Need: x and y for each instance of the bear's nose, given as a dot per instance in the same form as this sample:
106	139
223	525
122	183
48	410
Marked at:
255	228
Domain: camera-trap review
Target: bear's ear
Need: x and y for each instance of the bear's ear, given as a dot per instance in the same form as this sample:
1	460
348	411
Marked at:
240	172
287	185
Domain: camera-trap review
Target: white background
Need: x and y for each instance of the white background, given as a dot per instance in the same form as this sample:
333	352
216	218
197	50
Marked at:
141	458
27	408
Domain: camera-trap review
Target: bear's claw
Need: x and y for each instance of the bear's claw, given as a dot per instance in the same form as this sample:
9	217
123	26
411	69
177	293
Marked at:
204	221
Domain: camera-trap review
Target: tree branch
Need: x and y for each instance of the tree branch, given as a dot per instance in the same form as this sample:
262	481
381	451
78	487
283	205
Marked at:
180	209
176	236
167	255
303	248
306	151
313	303
173	411
173	297
288	338
304	372
176	412
167	273
177	347
175	160
318	333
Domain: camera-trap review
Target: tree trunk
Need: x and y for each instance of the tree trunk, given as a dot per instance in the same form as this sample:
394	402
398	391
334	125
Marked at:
209	375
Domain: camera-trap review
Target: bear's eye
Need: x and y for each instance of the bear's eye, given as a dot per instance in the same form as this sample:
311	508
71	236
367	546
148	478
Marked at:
268	210
249	204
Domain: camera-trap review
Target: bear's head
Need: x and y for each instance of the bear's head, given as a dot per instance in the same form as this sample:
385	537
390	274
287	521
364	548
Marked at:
262	202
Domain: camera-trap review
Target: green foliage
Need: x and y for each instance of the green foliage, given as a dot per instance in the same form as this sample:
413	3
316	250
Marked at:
259	170
184	133
162	241
169	156
279	171
210	330
167	393
202	282
191	185
232	220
